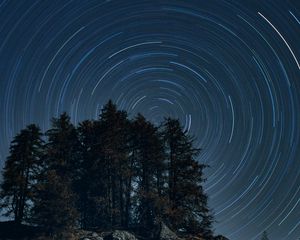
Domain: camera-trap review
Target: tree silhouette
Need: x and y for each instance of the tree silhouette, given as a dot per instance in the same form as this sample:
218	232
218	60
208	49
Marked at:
54	206
87	175
150	154
187	209
110	166
21	169
54	199
63	148
107	174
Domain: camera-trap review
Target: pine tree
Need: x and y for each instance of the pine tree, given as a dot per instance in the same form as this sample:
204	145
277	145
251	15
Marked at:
54	199
111	165
63	147
54	206
187	211
21	169
149	153
107	174
87	174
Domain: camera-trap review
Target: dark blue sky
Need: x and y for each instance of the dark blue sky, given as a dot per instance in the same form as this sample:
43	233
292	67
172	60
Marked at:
229	70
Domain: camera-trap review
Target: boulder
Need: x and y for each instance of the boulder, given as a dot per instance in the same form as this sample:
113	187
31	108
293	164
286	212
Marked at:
120	235
88	235
167	234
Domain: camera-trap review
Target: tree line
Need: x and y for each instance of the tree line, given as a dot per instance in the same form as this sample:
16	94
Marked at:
104	174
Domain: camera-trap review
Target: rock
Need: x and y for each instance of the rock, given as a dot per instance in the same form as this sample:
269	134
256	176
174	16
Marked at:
120	235
95	236
167	234
123	235
87	235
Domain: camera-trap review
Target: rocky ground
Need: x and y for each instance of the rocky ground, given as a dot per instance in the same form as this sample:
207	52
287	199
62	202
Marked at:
165	234
8	231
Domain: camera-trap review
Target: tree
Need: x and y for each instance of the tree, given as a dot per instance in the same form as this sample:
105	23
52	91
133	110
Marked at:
149	154
264	236
54	199
20	171
107	174
111	166
187	211
63	148
54	206
87	174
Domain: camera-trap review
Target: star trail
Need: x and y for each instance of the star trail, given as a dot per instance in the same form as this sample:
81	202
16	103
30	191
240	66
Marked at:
229	70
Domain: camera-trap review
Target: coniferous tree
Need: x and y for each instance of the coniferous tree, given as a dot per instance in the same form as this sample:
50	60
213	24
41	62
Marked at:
187	211
107	174
111	164
87	175
127	171
54	200
54	206
21	169
63	148
150	155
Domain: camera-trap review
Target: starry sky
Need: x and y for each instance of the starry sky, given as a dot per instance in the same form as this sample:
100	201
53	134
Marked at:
229	70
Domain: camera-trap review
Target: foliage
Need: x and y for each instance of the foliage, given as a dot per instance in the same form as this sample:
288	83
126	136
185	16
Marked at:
187	208
108	173
20	171
54	208
54	197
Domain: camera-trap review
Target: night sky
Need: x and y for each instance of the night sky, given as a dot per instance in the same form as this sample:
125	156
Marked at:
229	70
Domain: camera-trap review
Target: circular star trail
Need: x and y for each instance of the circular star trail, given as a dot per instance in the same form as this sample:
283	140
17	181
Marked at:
229	70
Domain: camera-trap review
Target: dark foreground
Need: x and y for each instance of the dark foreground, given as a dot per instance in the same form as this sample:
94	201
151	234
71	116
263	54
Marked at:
12	231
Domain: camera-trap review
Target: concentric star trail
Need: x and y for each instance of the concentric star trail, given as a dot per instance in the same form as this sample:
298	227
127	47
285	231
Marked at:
228	70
